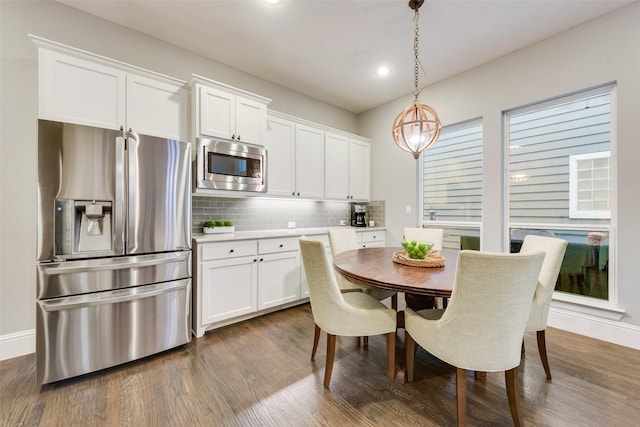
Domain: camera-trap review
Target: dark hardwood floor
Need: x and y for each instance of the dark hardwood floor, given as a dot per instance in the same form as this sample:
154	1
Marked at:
258	373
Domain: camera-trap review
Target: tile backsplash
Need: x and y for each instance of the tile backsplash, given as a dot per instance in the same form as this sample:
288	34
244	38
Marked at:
252	213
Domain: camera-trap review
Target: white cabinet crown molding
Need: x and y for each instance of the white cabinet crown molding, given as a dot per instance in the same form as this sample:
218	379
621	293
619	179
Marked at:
195	78
325	128
42	42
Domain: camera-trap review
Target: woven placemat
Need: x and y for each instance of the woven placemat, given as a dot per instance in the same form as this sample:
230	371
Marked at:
433	259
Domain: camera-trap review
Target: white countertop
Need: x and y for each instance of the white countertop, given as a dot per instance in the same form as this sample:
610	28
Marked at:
265	234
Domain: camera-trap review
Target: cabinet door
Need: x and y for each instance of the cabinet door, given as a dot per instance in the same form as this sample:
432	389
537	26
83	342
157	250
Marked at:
278	279
309	162
157	108
280	144
251	120
74	90
217	113
229	288
359	169
371	239
336	170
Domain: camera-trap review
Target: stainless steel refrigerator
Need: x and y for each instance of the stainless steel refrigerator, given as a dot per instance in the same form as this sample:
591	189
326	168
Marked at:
114	248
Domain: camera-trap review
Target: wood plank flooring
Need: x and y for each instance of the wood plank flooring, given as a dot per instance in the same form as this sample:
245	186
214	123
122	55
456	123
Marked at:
258	373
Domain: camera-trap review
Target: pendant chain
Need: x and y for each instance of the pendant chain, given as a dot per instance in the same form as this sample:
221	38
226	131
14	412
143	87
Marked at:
416	51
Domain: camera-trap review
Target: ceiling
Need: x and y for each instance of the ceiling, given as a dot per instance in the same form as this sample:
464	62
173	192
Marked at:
330	49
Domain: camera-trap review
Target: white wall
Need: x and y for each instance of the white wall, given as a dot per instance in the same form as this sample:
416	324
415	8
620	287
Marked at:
18	133
598	52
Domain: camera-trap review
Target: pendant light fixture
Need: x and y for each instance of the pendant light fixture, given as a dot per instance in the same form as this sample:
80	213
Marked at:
418	126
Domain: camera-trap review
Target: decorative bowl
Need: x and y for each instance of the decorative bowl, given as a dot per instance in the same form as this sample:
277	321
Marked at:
417	250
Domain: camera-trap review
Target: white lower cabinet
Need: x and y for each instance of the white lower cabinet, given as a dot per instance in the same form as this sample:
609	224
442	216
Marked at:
226	282
239	279
229	288
371	239
279	273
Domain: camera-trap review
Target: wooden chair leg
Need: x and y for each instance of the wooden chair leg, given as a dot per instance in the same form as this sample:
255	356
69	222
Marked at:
409	355
542	349
461	396
365	341
316	338
357	341
394	301
331	351
391	356
511	380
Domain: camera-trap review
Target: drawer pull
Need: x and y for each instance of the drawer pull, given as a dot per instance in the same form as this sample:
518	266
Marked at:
281	245
231	251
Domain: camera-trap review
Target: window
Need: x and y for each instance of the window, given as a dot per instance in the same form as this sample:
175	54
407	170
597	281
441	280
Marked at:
559	179
589	185
451	184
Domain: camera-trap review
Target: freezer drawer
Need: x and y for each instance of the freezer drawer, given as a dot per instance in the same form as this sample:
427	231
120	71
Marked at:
84	276
85	333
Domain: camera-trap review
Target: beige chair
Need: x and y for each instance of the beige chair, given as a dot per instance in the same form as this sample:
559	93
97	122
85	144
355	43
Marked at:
352	314
554	254
482	328
345	239
435	235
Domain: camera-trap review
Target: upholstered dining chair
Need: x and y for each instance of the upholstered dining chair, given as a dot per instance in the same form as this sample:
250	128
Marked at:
554	250
482	328
435	235
345	239
346	314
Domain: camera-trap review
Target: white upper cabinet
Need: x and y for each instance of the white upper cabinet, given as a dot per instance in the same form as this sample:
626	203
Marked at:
80	91
336	174
312	161
280	145
359	169
347	168
157	108
87	89
225	112
309	162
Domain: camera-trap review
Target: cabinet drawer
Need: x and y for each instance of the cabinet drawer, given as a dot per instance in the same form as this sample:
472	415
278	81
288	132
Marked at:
230	249
282	244
371	236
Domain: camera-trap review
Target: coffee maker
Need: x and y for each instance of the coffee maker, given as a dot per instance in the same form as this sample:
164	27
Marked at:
358	215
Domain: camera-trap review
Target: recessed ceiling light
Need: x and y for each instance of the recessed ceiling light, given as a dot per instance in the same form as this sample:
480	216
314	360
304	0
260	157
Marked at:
383	71
272	1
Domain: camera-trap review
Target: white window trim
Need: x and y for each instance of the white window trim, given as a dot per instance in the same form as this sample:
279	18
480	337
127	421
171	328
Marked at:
598	306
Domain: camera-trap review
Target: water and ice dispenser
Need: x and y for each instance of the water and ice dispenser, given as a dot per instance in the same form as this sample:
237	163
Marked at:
83	227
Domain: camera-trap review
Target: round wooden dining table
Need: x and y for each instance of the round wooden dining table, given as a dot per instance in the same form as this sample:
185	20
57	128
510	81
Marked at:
375	267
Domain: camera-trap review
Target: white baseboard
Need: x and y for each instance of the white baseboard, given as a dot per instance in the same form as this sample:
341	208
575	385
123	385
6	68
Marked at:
595	327
17	344
21	343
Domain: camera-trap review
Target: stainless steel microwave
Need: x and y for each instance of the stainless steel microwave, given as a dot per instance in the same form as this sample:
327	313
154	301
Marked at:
231	165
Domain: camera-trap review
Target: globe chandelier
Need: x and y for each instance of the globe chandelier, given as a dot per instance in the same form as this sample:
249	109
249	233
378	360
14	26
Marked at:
417	127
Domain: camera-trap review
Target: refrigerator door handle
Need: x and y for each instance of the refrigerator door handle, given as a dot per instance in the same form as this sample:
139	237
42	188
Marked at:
120	198
132	191
112	297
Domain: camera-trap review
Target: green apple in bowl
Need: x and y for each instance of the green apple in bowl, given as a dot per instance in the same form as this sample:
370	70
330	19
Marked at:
416	250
